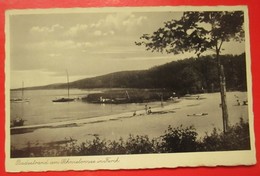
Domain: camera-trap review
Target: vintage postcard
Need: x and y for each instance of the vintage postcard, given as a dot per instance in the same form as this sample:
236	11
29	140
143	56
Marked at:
128	88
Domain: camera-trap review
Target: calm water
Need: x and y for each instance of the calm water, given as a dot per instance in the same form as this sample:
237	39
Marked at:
42	110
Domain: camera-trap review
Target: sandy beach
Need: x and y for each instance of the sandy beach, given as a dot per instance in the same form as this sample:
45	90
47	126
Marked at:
204	114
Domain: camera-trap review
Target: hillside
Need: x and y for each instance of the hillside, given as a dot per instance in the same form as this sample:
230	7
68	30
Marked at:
188	75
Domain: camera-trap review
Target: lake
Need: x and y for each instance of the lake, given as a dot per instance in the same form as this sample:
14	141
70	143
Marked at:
40	109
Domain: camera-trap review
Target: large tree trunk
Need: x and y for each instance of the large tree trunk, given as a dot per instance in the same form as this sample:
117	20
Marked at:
222	84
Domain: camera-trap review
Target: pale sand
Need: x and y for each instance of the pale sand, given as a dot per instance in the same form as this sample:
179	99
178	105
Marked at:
113	127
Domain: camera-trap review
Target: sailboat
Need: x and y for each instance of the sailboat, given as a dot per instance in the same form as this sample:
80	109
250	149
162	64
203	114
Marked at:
65	99
21	99
17	122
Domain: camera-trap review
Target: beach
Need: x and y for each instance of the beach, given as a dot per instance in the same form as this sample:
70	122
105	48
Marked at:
204	113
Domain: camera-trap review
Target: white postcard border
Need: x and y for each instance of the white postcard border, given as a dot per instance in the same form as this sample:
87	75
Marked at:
142	161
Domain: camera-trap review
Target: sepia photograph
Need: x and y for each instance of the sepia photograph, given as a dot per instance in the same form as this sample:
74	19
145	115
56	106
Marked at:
97	88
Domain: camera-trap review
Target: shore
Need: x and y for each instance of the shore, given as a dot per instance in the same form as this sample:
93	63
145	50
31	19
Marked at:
203	113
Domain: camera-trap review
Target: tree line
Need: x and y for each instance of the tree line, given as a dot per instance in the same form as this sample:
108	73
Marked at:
192	75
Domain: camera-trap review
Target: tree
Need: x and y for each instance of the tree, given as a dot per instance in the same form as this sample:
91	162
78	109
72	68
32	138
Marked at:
190	79
199	32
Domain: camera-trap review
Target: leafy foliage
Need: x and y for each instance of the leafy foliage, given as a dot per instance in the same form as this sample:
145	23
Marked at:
139	144
196	31
179	140
236	138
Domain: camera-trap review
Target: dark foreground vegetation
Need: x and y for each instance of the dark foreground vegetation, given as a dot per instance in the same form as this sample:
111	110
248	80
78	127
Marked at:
174	140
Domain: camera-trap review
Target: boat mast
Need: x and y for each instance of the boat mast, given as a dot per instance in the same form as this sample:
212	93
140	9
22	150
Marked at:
68	84
22	90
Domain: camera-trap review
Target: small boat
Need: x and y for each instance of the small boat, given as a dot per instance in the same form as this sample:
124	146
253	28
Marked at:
65	99
19	100
17	122
22	99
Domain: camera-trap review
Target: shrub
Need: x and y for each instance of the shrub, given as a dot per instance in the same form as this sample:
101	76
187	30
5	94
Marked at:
139	144
179	139
115	147
94	147
236	138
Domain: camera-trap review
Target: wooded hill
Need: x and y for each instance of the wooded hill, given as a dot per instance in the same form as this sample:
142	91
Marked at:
191	75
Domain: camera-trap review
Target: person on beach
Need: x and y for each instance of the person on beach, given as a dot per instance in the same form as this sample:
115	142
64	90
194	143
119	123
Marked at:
238	102
150	110
146	109
162	100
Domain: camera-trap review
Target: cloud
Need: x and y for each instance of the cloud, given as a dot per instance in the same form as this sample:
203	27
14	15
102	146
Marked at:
107	26
111	32
123	21
45	29
55	54
89	45
77	29
95	25
97	33
100	33
132	22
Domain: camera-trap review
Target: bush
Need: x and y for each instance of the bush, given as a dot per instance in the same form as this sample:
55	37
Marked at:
115	147
94	147
179	140
140	144
133	145
236	138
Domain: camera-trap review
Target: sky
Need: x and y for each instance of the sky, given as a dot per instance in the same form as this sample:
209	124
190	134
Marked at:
87	44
